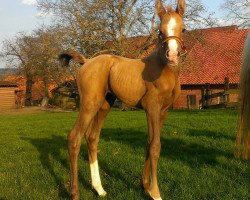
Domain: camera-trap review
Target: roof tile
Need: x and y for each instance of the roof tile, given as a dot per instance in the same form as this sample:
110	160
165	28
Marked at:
214	54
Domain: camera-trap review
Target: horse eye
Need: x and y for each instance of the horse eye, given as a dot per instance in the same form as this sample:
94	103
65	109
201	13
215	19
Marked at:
160	35
183	30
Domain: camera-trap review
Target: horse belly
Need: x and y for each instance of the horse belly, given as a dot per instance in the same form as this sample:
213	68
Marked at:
127	84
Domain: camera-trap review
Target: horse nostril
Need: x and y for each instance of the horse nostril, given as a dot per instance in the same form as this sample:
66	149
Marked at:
167	53
172	53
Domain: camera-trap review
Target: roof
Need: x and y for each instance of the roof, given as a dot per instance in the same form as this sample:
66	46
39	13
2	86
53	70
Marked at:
7	84
213	54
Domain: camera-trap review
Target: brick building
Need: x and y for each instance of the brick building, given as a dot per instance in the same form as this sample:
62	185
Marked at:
213	55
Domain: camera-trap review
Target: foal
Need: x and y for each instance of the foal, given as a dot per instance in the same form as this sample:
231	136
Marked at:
151	83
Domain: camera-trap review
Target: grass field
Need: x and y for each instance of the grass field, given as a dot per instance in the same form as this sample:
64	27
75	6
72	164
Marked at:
196	161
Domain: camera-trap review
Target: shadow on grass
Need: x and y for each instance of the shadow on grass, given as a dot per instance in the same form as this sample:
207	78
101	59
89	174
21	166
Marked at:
173	148
51	148
114	173
210	134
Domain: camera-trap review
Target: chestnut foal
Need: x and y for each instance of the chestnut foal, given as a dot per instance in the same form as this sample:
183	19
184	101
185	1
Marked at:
151	83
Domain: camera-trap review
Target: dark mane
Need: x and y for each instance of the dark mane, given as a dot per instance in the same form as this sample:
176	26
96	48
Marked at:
170	9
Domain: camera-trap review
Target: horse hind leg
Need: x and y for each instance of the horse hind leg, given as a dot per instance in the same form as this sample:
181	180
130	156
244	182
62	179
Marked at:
80	129
92	139
74	144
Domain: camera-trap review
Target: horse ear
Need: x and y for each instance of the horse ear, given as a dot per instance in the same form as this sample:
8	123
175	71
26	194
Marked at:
181	7
160	10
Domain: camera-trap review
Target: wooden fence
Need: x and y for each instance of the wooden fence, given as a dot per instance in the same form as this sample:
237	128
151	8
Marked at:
226	98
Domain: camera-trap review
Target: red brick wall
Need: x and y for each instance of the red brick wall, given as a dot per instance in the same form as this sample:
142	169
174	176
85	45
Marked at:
182	101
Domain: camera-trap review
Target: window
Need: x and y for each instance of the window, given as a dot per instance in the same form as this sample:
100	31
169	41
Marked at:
191	101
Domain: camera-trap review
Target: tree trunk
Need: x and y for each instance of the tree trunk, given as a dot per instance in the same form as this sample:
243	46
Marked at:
28	96
46	87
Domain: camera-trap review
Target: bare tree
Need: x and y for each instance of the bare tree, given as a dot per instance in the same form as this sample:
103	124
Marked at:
238	12
91	23
35	55
48	44
94	26
18	55
197	16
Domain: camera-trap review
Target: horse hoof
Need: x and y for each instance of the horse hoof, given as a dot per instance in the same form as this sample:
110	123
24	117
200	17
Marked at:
100	191
103	194
75	197
159	198
152	197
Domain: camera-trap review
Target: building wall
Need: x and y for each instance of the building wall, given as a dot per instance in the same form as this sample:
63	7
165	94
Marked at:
7	98
191	99
188	99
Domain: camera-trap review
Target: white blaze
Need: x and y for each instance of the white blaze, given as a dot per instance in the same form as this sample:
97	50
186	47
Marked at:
96	180
172	44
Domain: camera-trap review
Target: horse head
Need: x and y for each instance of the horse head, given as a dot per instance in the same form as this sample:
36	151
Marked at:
170	30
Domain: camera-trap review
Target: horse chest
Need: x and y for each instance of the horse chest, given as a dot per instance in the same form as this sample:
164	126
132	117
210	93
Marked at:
166	83
165	89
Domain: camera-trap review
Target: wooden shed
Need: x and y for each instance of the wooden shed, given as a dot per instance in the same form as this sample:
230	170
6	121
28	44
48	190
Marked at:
7	95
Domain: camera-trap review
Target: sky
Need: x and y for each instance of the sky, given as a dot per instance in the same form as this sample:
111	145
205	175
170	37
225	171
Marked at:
22	16
17	16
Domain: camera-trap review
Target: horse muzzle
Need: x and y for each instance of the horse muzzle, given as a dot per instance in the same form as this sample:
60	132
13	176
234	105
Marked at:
172	54
172	57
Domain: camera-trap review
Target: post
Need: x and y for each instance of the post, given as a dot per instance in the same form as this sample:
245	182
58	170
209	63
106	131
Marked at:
206	95
226	88
203	97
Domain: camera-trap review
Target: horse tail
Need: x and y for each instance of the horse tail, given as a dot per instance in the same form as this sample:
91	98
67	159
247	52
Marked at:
243	132
66	56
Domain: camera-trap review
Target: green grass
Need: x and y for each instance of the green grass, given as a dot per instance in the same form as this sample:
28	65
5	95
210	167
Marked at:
196	161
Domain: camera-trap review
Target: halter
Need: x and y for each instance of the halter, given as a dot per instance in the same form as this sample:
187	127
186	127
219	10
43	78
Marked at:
179	40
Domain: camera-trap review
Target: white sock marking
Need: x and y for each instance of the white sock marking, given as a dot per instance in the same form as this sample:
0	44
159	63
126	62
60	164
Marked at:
96	180
159	198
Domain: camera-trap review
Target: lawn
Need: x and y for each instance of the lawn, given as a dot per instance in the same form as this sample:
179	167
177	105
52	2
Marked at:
196	161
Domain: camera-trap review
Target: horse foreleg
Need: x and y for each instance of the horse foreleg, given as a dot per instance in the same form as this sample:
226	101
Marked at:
163	117
92	139
146	178
154	153
150	181
146	171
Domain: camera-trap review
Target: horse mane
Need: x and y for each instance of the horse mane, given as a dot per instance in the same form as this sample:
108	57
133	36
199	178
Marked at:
170	9
243	133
